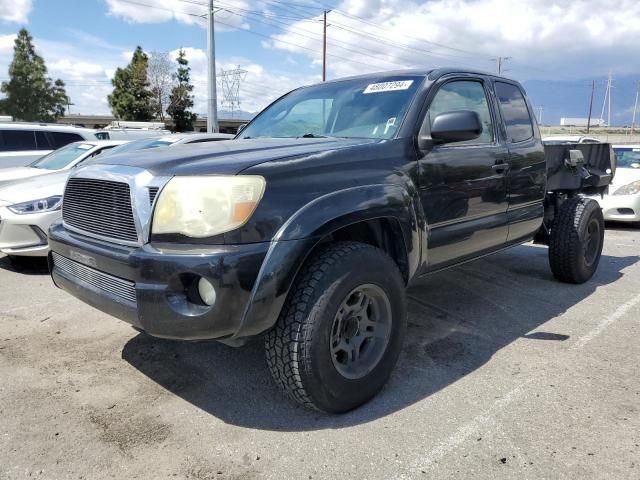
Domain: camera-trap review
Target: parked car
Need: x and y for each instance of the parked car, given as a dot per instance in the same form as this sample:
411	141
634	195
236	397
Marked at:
133	133
171	140
29	206
62	159
568	139
622	203
306	229
22	143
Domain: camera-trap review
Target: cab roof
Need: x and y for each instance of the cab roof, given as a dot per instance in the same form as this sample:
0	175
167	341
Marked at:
432	73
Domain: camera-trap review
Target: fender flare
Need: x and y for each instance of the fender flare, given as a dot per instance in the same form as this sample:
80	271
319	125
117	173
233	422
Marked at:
299	235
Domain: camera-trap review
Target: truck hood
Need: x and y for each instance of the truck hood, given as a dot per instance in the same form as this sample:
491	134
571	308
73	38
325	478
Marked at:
8	175
34	188
226	158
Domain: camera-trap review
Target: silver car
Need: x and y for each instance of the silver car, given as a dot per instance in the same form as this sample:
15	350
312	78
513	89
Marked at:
28	207
61	159
622	203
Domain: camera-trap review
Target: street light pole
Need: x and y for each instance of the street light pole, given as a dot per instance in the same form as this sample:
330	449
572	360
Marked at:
212	101
324	47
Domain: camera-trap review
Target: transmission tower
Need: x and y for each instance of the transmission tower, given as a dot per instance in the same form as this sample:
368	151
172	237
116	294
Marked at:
230	81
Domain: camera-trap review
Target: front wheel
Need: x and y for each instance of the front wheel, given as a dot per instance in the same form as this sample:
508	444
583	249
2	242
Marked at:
577	237
341	330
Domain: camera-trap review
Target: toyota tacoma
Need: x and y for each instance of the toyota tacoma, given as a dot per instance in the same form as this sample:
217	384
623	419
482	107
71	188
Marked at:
307	228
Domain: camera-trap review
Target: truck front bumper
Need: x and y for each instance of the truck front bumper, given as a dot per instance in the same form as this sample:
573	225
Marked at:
154	287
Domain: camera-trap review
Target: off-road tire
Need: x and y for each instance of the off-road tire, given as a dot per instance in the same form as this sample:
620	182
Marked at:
570	257
298	348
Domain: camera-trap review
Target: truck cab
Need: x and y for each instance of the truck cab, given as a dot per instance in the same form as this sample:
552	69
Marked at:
306	229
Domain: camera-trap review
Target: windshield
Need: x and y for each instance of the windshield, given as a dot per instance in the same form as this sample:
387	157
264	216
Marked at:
63	157
361	108
155	142
627	157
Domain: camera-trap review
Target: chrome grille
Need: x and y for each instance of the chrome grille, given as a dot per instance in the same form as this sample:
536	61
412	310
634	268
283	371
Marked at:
153	192
116	286
99	207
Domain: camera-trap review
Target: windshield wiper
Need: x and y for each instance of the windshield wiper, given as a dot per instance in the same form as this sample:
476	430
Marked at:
312	135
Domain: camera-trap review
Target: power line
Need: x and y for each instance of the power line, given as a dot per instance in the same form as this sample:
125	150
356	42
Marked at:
381	28
390	42
248	31
320	38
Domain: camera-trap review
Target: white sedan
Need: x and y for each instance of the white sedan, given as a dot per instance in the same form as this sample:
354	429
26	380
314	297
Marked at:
61	159
29	206
567	139
622	203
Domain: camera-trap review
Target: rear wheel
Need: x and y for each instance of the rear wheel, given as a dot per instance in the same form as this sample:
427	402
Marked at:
341	330
577	237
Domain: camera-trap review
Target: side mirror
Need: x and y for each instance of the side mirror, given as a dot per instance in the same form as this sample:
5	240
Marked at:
456	126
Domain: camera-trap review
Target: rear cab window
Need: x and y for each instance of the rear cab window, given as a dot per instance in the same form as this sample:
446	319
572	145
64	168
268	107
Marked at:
515	113
627	157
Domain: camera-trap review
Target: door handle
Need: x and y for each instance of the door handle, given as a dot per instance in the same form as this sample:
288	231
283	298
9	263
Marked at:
500	167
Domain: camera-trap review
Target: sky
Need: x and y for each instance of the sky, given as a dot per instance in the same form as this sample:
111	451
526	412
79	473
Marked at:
557	47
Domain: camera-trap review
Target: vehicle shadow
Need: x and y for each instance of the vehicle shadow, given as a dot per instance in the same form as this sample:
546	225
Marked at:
457	320
25	265
621	226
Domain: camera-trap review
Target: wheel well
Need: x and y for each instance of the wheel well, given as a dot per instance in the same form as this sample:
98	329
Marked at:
383	233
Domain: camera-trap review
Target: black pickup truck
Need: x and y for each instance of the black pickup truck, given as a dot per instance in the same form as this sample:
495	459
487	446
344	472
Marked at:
306	229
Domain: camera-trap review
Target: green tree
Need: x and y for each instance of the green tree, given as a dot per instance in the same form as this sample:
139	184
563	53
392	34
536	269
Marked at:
181	97
131	98
30	94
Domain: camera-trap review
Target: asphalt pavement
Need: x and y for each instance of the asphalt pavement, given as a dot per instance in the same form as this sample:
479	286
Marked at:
505	373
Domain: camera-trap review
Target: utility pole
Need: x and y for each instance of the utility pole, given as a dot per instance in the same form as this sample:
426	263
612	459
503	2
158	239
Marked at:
635	109
607	99
69	106
593	89
609	102
324	46
500	61
212	101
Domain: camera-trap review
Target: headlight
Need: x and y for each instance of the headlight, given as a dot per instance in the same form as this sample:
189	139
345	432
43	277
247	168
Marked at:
629	189
48	204
206	206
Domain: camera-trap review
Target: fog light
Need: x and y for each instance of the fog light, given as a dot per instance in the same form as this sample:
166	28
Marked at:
206	291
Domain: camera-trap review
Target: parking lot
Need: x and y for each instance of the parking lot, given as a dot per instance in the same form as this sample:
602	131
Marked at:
505	373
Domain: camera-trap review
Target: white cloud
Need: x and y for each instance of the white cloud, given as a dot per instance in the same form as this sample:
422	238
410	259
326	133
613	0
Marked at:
15	10
6	44
259	87
545	38
190	13
89	40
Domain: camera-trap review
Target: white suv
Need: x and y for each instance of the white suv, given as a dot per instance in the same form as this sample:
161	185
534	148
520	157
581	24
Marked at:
22	143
